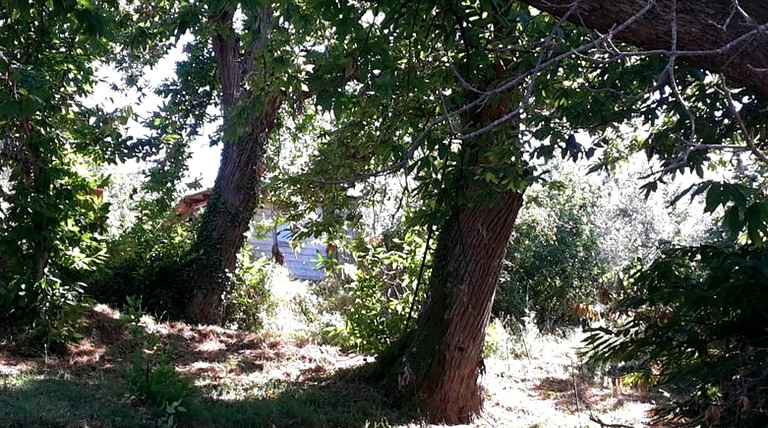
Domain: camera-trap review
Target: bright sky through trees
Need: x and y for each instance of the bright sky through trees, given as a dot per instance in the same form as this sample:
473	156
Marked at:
204	162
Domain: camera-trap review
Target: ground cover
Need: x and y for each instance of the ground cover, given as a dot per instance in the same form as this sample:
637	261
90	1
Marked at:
245	379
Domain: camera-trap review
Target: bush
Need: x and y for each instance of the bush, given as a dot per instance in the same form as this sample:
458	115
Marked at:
148	262
553	260
50	311
383	291
700	313
249	299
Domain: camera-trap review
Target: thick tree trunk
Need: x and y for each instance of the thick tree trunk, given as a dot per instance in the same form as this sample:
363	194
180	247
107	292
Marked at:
234	196
226	219
728	27
440	363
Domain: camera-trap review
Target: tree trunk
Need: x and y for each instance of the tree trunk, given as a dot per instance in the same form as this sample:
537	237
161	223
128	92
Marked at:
702	25
438	365
441	361
227	217
234	196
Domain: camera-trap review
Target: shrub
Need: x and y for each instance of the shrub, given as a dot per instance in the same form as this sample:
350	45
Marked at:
382	292
50	311
553	260
249	299
700	313
148	261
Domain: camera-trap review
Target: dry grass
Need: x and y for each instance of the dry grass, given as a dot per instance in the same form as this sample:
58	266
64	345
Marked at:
250	380
549	387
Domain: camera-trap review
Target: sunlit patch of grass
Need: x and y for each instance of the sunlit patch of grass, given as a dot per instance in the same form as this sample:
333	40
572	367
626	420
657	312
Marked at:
541	380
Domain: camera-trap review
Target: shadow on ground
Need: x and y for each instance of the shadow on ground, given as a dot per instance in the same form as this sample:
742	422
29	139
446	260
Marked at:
572	395
240	380
338	401
341	400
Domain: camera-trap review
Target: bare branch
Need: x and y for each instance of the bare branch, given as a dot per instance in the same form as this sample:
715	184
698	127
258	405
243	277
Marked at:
669	70
540	65
734	45
728	47
742	127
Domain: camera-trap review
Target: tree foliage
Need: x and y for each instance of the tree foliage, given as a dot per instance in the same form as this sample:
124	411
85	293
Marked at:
51	144
553	260
468	101
700	313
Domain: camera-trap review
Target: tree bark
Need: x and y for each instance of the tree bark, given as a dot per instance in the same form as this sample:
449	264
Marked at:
702	25
440	362
234	196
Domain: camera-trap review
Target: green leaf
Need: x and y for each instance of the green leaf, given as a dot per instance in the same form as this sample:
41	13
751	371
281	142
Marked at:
756	219
714	198
10	109
732	220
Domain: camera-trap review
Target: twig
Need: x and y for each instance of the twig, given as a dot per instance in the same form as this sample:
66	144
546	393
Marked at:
742	127
597	420
420	278
525	344
575	391
682	159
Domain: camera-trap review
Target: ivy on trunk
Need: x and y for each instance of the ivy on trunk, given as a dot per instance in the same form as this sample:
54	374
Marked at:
234	197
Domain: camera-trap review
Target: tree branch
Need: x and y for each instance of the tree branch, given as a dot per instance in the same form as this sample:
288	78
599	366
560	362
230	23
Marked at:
736	47
742	127
500	89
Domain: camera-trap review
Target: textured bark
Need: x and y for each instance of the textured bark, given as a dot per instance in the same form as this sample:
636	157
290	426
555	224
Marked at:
438	365
442	361
234	196
702	25
227	217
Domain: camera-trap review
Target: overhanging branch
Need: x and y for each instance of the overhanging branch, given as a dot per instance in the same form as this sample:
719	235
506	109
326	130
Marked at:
736	45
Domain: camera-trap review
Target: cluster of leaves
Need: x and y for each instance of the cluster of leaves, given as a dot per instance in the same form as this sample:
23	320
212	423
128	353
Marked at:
554	258
249	298
700	313
746	209
384	290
